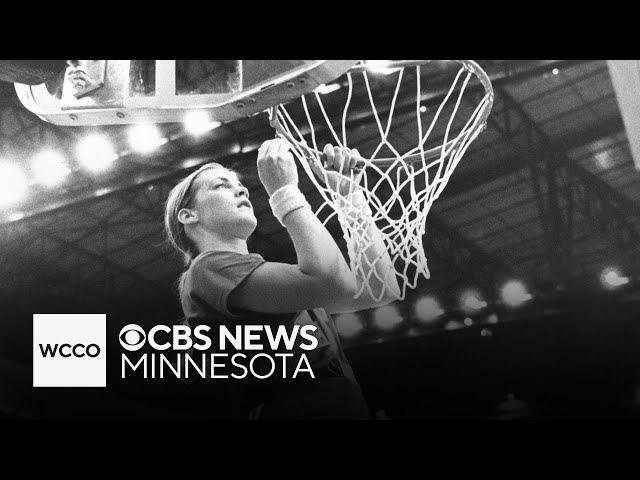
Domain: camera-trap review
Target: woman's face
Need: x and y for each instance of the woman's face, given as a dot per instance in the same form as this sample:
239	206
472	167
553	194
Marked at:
222	203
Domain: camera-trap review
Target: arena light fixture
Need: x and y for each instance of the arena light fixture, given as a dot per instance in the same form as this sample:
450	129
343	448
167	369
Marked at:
348	324
471	301
197	122
50	168
145	138
453	325
15	216
611	278
514	293
13	183
428	309
324	88
95	152
381	66
387	318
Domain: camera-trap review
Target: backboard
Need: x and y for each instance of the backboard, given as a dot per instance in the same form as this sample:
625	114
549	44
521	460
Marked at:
625	76
107	92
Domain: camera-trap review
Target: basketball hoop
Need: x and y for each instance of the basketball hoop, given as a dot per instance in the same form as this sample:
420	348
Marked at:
400	181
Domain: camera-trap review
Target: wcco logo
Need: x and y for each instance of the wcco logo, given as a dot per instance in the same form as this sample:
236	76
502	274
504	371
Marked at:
69	350
78	350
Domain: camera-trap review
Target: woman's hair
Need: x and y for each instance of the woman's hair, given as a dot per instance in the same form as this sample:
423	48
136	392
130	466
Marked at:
181	196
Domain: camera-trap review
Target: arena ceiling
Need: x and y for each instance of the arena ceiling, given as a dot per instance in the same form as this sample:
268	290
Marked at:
547	194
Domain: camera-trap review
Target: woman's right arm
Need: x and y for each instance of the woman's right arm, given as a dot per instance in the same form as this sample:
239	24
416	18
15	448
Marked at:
321	278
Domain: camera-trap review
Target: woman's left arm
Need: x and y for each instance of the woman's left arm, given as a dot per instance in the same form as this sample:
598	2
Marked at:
376	267
376	272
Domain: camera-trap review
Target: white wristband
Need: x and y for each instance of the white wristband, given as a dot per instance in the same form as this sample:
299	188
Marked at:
285	200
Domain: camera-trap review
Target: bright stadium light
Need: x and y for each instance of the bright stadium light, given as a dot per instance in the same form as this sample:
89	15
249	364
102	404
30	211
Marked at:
470	301
381	66
348	324
324	89
197	122
50	168
145	138
428	309
387	317
95	152
611	278
514	293
13	183
453	325
14	217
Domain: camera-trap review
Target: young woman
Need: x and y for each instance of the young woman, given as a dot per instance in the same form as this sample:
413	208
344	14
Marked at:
209	218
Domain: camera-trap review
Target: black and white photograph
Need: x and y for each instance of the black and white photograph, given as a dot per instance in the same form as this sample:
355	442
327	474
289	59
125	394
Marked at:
319	240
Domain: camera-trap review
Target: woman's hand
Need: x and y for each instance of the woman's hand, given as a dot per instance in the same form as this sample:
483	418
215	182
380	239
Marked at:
338	164
276	165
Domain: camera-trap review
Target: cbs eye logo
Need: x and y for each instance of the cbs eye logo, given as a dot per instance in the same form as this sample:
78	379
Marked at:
132	337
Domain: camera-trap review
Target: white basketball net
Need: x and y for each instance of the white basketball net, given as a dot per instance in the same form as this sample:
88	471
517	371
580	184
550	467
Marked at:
408	183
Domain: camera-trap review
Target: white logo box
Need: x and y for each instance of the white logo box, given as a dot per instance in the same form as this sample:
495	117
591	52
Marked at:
74	330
